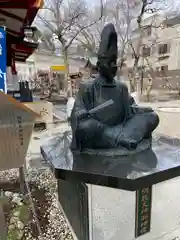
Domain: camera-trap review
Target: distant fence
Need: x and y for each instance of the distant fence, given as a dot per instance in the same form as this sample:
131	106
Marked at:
169	79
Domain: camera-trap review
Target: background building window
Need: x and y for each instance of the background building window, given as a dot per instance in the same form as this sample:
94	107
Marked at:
147	31
157	69
153	50
146	51
163	48
164	68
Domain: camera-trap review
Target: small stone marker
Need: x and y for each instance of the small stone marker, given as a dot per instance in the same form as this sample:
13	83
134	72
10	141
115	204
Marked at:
3	228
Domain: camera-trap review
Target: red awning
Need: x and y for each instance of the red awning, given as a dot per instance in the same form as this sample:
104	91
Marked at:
26	4
17	14
22	51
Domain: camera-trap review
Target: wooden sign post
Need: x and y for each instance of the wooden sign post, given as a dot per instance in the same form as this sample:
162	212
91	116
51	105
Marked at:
16	125
3	228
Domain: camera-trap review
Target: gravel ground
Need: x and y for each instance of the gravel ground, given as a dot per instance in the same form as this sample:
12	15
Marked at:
38	171
57	228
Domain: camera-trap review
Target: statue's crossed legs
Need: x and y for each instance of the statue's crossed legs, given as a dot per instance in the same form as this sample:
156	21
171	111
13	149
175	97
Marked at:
129	134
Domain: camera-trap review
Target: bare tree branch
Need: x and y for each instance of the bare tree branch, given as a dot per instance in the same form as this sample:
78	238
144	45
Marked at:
66	19
117	12
81	28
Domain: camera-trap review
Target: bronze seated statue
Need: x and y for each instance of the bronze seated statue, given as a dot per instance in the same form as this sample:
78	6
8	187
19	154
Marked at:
104	115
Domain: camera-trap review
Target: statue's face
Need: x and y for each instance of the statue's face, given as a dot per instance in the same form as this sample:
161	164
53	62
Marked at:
108	70
113	68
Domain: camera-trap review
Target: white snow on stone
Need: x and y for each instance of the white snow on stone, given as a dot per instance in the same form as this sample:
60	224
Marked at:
69	106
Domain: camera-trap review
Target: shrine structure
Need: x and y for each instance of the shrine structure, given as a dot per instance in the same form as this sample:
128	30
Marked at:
17	17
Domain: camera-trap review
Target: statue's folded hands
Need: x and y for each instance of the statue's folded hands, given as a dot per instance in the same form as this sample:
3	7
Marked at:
89	128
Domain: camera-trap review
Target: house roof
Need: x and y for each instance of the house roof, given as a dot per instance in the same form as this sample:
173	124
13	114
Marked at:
23	50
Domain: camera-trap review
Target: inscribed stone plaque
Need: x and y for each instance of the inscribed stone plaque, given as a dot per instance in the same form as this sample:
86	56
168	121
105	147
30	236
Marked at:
143	211
16	124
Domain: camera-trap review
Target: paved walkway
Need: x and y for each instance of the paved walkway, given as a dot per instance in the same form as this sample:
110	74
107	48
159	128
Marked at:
169	114
60	111
34	158
155	105
169	124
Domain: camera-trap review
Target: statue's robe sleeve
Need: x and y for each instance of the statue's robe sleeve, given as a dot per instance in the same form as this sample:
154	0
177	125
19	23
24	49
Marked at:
138	123
84	127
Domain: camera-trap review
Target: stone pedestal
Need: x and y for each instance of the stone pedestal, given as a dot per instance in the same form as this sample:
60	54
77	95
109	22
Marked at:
97	213
126	197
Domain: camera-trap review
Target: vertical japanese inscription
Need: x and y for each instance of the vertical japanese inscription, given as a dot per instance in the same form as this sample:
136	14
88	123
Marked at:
143	211
20	130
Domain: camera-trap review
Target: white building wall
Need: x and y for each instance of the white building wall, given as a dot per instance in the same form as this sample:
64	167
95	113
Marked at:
169	35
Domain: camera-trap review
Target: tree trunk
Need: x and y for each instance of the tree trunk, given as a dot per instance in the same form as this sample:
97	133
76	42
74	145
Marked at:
67	85
50	85
22	180
137	51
